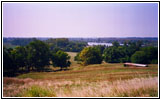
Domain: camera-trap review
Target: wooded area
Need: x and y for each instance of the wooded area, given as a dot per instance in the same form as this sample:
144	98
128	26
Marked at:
38	55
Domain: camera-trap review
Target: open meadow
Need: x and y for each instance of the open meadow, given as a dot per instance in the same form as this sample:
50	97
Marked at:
78	49
98	80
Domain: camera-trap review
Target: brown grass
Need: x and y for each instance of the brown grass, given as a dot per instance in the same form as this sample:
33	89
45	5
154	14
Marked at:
79	88
98	80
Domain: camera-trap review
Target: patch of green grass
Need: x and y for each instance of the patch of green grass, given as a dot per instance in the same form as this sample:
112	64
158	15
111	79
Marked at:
77	68
37	91
33	75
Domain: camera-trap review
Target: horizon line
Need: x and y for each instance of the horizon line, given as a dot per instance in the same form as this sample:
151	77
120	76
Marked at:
81	37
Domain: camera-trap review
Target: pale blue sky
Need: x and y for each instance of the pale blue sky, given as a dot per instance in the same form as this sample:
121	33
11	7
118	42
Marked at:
80	19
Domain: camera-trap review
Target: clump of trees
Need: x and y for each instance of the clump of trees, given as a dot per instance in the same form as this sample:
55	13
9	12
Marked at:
129	52
8	66
139	57
115	55
146	55
89	55
18	41
65	45
36	56
61	59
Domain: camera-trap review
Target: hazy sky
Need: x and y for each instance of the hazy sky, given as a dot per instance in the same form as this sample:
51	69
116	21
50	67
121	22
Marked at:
80	19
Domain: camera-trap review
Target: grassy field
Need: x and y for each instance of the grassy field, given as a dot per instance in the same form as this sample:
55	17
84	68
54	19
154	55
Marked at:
98	80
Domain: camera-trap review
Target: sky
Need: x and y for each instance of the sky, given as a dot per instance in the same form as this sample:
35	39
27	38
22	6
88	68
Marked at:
87	19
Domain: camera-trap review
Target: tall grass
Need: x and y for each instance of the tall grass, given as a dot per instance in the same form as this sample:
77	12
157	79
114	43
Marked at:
98	80
137	87
36	91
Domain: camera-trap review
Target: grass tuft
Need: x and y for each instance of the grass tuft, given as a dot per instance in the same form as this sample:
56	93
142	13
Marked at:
37	91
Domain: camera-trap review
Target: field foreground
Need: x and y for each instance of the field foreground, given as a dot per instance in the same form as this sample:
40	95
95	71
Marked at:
99	80
137	87
94	82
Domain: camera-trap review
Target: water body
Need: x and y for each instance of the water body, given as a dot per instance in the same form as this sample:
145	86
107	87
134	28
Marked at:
103	44
95	43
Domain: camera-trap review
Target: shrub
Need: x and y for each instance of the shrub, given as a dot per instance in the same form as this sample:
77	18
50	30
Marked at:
90	55
139	57
60	59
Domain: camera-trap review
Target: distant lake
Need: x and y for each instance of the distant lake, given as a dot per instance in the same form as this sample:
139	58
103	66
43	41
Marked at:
96	43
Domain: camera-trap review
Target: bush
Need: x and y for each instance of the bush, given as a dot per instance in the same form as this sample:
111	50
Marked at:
151	54
115	54
154	61
60	59
90	55
139	57
147	55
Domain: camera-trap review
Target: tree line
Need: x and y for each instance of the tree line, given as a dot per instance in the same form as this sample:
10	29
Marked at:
146	41
129	52
36	56
65	45
61	43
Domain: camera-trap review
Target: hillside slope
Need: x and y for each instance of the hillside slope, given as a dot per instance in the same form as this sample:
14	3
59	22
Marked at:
98	80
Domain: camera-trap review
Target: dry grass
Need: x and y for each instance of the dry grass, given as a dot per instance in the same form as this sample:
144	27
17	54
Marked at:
72	55
137	87
98	80
97	72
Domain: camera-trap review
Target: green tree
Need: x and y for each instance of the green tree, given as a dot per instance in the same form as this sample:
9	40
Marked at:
90	55
100	47
38	55
125	43
115	54
112	55
65	45
138	45
19	55
115	44
146	55
61	59
151	54
139	57
8	63
77	58
131	48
